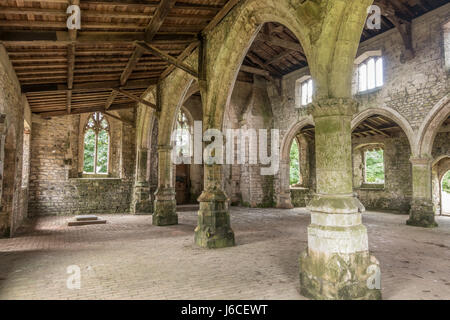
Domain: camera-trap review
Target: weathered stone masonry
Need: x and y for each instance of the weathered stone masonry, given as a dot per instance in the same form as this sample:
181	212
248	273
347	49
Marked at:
57	186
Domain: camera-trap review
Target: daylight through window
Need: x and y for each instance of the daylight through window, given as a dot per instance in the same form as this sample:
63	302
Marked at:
370	74
307	92
96	144
374	166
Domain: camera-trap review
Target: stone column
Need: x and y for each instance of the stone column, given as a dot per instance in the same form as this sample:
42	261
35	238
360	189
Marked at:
422	211
213	229
141	196
284	195
165	203
337	263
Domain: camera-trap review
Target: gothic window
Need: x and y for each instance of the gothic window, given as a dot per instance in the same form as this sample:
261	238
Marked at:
96	144
294	172
183	135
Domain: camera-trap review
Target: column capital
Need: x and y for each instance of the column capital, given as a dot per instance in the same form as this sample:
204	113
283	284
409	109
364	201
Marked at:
334	107
165	148
421	160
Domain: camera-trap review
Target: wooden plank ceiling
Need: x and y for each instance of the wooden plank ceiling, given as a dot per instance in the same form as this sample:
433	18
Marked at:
277	52
65	72
73	72
376	125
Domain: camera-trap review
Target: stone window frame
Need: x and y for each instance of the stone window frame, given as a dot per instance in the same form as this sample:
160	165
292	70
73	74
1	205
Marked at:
299	184
190	125
372	185
364	59
446	44
299	91
362	149
83	133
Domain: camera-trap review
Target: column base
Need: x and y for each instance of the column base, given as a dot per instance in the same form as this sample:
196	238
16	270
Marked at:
5	229
337	264
339	276
422	215
213	230
165	208
284	201
142	205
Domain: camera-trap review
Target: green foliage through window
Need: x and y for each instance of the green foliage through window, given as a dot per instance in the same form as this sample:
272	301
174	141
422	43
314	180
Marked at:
374	172
294	163
96	144
446	182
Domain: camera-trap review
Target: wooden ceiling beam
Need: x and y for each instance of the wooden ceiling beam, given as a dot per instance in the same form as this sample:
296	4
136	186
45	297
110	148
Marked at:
254	70
275	41
168	58
61	38
150	31
219	17
180	58
85	110
91	86
131	123
134	98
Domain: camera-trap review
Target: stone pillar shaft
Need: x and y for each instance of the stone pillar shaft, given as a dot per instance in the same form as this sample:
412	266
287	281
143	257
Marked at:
337	263
284	194
422	209
141	196
165	203
213	229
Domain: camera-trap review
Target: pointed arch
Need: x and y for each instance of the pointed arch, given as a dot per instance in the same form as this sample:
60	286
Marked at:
430	127
233	38
391	114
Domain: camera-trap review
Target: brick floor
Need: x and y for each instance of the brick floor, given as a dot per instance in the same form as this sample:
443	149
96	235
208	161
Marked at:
128	258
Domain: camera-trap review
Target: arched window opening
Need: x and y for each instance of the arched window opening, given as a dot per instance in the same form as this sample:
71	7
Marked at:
370	74
446	194
294	172
96	145
374	166
183	135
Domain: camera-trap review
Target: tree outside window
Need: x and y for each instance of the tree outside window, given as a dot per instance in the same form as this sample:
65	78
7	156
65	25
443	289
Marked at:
294	171
446	182
96	144
374	166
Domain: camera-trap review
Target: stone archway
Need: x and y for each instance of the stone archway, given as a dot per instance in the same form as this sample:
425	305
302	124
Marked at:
8	204
441	198
445	195
394	116
430	127
284	200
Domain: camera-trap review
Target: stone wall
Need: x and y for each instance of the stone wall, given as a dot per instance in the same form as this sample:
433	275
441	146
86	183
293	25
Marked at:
395	195
412	87
57	186
13	110
249	108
